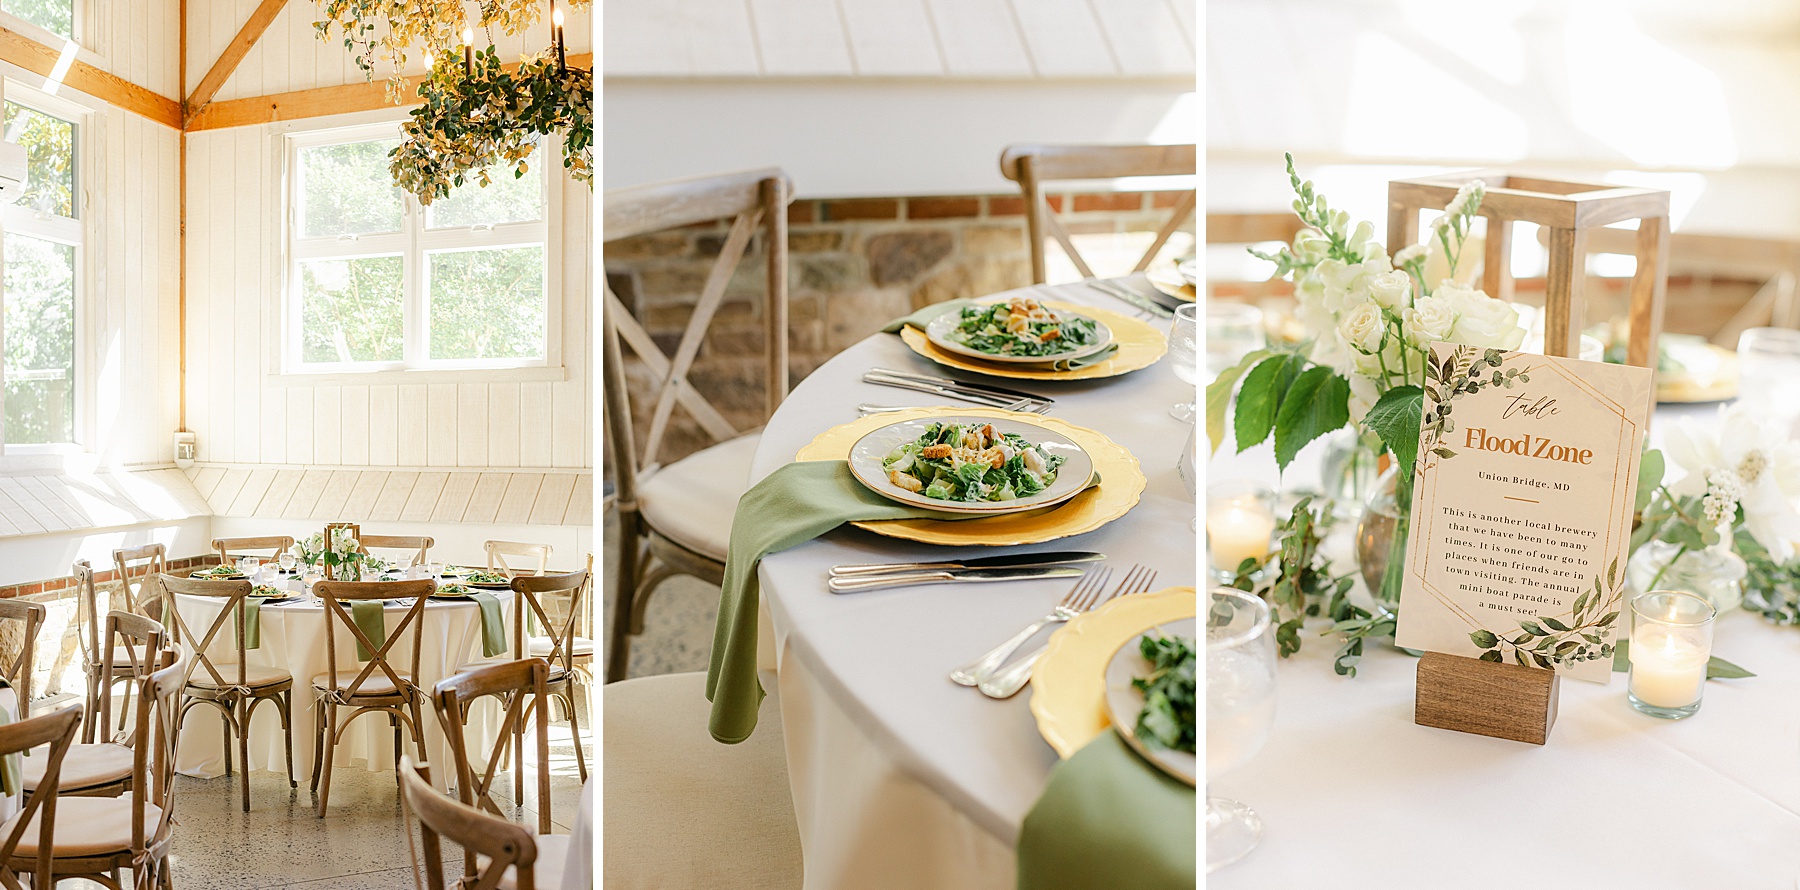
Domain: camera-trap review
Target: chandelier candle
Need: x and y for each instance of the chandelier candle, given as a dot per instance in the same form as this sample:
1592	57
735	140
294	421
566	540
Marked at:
468	37
1240	524
1671	642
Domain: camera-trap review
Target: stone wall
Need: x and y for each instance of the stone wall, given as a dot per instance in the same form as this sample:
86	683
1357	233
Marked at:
854	264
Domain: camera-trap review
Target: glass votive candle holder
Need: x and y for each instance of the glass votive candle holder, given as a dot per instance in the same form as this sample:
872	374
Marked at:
1671	642
1240	525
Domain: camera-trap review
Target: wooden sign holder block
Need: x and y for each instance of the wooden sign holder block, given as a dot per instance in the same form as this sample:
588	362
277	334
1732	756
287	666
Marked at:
1505	701
1570	212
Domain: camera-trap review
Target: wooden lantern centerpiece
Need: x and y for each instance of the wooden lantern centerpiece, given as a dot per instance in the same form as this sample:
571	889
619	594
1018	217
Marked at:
1570	212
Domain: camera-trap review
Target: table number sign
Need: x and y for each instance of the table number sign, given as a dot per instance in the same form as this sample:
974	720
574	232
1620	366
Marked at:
1523	491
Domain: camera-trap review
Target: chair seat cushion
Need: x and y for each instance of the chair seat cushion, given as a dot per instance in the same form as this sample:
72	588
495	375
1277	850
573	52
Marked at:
546	871
580	647
255	675
86	826
377	684
683	810
691	500
85	766
122	656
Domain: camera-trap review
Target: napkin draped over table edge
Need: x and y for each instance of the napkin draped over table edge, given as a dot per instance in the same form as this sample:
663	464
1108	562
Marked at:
793	505
1107	812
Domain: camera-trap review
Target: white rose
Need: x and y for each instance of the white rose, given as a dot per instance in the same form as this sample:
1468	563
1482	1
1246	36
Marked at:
1429	320
1364	328
1363	396
1391	289
1481	320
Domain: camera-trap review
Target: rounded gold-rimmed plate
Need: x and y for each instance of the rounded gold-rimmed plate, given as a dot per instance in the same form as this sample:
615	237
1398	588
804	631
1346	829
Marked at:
1170	281
1124	702
1140	346
1068	683
942	333
1121	484
870	452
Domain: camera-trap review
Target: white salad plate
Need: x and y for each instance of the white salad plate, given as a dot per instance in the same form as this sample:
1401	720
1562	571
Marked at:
1189	270
1124	703
940	328
1071	478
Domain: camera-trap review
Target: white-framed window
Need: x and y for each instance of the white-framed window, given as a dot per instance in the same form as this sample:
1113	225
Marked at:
61	18
42	237
374	281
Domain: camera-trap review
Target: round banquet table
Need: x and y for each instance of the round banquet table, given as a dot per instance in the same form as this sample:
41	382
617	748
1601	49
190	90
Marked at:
1352	792
293	638
901	778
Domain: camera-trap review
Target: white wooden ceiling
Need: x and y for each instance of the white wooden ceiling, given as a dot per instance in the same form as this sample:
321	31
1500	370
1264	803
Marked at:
900	38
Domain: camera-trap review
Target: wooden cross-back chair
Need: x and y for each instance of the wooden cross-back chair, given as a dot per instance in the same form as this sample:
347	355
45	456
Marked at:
96	837
30	617
378	686
28	839
519	685
1033	165
1248	229
232	549
507	855
138	569
1774	261
559	648
418	547
498	551
678	516
129	663
234	688
104	768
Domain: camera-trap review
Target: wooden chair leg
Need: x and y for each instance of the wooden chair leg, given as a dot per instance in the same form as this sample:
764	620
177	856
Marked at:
574	732
318	744
625	585
90	719
287	730
243	737
330	748
225	728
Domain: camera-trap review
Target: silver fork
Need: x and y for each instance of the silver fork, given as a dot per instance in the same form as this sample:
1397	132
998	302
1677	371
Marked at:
866	409
1009	681
1081	598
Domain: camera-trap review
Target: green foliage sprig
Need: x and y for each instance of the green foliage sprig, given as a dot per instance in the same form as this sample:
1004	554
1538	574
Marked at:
1546	640
378	32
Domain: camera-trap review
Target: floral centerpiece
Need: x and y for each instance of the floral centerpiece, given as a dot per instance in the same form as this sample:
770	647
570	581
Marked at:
1369	320
342	558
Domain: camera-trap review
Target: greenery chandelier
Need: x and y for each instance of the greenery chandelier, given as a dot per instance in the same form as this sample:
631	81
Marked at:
475	113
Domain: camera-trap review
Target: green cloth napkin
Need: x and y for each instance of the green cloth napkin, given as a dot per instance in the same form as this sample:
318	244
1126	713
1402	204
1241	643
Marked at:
1070	364
1107	813
923	317
493	624
795	504
370	616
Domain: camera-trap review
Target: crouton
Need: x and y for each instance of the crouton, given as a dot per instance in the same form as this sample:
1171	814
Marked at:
905	480
1049	334
936	452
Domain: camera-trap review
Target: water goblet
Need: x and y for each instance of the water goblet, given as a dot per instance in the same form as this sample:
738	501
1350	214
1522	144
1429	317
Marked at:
288	561
1184	355
1240	709
1769	372
1233	330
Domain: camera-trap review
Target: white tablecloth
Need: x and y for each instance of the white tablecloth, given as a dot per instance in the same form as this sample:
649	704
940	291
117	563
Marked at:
901	778
578	870
1353	793
293	638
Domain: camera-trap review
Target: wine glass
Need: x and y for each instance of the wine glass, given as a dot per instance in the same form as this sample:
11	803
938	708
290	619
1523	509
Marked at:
1233	330
1240	708
288	561
1184	355
1769	371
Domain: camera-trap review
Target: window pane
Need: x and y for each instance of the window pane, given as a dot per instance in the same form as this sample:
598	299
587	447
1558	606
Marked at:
50	151
350	310
56	16
346	189
504	199
487	303
40	341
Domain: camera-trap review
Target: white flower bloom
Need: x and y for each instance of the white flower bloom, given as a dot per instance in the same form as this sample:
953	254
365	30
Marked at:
1429	320
1364	328
1363	396
1391	289
1744	456
1481	320
1310	246
1408	254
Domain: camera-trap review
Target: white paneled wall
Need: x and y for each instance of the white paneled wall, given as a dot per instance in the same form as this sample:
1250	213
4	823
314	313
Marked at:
139	40
243	412
290	56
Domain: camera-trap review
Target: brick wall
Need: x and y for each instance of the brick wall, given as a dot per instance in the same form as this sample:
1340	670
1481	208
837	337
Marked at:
854	264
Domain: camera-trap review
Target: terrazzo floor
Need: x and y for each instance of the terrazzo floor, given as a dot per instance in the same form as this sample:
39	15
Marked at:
281	842
678	626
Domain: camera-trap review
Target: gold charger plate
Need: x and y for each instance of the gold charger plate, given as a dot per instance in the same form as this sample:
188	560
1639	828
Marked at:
1140	346
1169	281
1121	483
1068	683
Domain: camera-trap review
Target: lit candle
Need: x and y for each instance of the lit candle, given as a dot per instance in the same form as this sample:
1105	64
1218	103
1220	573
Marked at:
556	19
468	36
1238	529
1671	642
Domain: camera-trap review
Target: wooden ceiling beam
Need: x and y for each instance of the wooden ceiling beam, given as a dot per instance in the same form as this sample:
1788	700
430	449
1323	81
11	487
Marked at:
84	78
235	51
302	104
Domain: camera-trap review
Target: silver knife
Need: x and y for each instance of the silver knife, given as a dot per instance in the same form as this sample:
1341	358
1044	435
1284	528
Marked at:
1121	292
1009	561
979	398
858	583
964	384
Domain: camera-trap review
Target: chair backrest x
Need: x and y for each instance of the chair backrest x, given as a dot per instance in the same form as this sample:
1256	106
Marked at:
230	596
231	549
418	546
30	617
512	683
56	729
498	551
532	592
139	569
339	617
140	640
503	843
1033	165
